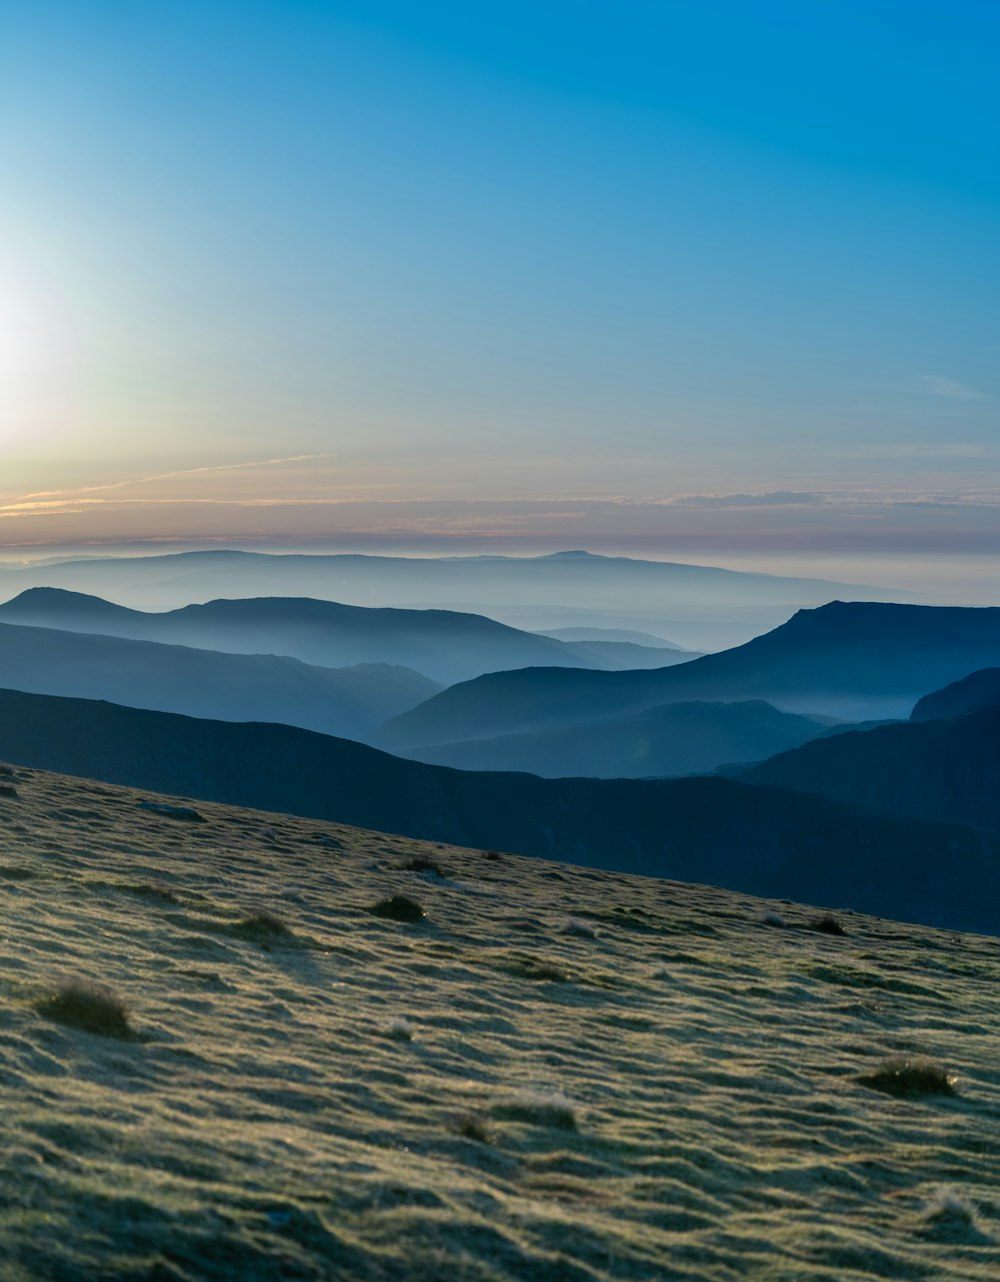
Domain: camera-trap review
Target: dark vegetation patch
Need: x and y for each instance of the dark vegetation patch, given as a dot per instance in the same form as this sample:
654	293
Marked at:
157	892
474	1126
827	925
265	929
17	872
492	854
186	814
540	1109
537	968
398	908
421	864
89	1007
909	1077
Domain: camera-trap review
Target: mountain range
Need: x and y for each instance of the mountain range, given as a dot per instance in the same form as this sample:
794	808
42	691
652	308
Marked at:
235	687
760	839
850	660
445	645
699	607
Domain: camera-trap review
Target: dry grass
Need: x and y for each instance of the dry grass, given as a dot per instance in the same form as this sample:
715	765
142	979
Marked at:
88	1007
396	1104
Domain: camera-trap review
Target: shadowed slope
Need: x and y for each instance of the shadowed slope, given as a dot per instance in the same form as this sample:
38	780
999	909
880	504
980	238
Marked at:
676	739
177	678
977	690
555	1073
947	770
857	660
763	840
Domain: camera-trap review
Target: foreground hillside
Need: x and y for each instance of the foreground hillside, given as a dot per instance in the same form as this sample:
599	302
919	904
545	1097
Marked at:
762	840
554	1074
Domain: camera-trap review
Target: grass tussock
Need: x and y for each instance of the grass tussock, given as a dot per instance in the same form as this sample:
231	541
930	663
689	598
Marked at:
8	791
550	1109
421	864
399	1029
265	929
89	1007
398	908
473	1125
827	925
910	1077
579	928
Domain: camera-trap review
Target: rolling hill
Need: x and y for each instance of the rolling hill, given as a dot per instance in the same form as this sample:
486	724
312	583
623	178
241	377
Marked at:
701	607
856	661
674	739
555	1073
444	645
947	769
977	690
762	840
177	678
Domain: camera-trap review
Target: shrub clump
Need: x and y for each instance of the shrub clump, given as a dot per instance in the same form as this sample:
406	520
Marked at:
420	864
263	928
472	1125
908	1077
827	925
89	1007
398	908
541	1108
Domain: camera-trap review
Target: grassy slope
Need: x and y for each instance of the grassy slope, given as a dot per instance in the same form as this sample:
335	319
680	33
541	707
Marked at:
269	1121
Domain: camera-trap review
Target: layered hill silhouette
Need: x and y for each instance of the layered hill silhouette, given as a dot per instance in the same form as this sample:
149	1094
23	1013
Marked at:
177	678
673	739
977	690
758	839
702	607
853	660
445	645
947	769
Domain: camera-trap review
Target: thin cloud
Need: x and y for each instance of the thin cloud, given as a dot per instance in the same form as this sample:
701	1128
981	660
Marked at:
949	388
170	476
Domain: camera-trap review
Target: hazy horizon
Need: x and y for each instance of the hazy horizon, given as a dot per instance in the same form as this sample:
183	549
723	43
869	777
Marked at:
700	284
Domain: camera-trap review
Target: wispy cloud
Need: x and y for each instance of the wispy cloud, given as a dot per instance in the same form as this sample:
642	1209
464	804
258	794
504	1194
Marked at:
949	388
170	476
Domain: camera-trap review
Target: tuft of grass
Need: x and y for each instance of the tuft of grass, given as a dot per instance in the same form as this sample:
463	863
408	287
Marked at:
263	928
538	968
770	918
827	925
582	929
420	864
910	1076
399	1029
89	1007
541	1108
491	854
398	908
473	1125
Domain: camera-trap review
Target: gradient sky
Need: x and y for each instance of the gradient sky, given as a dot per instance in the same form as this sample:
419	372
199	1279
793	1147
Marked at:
698	279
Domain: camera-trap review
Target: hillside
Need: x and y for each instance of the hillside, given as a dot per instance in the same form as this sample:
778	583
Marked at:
760	840
856	660
555	1074
177	678
946	770
676	739
444	645
977	690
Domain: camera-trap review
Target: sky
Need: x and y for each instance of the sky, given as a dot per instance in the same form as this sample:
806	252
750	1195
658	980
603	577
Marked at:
711	281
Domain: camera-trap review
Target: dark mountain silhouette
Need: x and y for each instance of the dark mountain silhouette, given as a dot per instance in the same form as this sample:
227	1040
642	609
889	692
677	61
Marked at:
857	660
765	841
699	606
977	690
947	770
610	634
444	645
675	739
235	687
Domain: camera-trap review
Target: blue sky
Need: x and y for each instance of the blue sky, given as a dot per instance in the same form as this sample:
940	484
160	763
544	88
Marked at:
506	258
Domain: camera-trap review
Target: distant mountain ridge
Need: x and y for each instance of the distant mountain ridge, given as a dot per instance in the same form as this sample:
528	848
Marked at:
853	660
699	607
978	690
668	740
762	840
444	645
176	678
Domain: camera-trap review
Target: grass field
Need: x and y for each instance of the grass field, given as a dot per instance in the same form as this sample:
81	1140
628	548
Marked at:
555	1073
